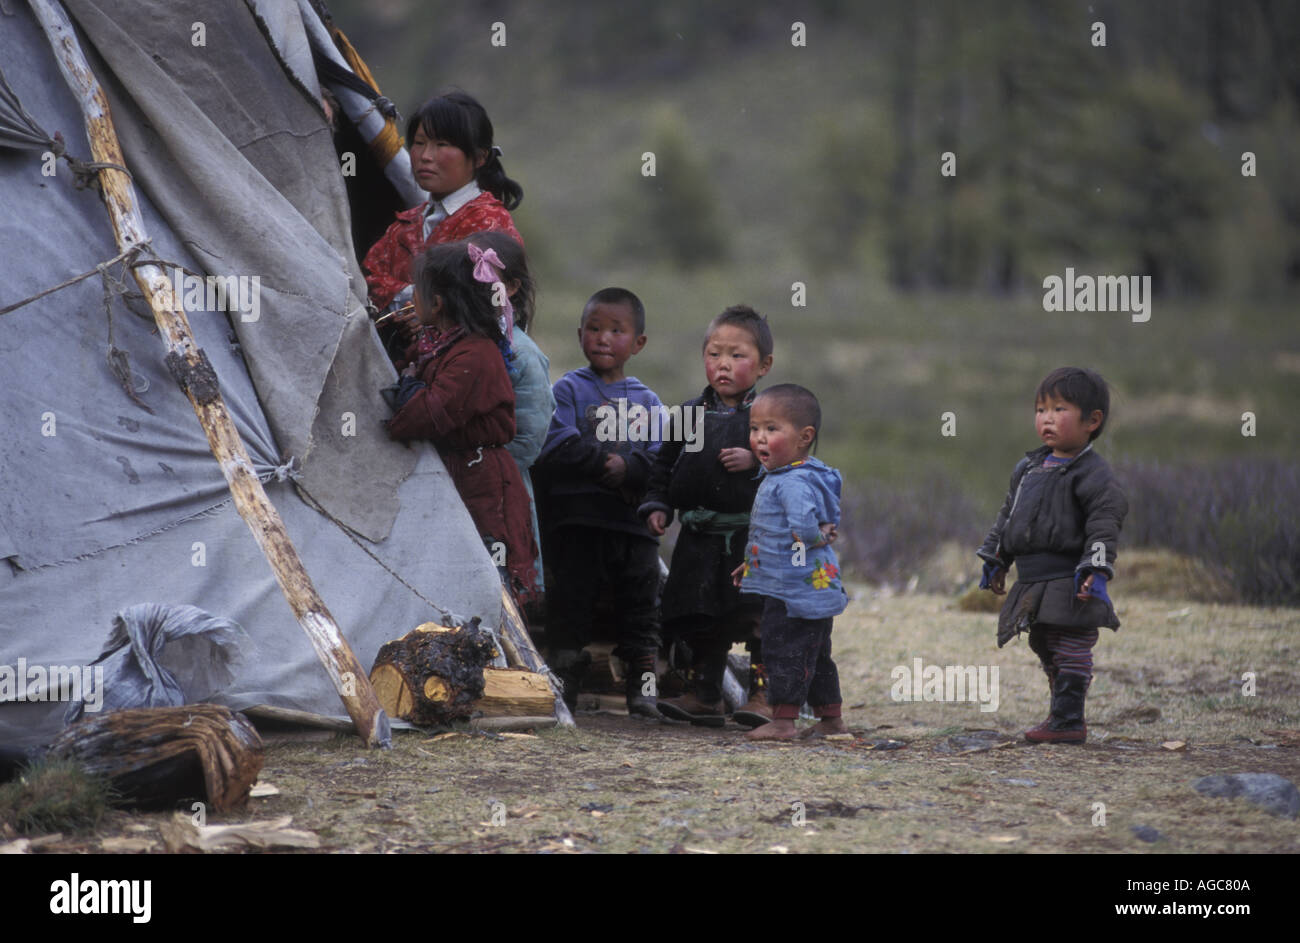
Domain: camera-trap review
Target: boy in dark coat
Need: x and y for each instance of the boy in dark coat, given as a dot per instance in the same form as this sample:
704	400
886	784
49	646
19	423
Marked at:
1060	524
712	483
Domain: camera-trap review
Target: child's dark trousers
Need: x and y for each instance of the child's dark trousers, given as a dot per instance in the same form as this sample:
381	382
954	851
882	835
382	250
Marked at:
586	560
797	656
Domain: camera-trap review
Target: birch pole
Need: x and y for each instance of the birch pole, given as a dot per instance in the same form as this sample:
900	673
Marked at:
190	366
520	651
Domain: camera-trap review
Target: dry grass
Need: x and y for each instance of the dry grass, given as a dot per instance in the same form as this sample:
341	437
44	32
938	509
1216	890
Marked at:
962	780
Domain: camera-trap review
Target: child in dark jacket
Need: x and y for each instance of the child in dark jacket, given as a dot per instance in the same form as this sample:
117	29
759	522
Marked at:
711	483
1060	524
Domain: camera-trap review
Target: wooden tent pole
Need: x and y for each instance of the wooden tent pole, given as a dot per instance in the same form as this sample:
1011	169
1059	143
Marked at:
189	365
521	652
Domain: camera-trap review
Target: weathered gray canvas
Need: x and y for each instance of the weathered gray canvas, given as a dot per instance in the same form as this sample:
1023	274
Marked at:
103	504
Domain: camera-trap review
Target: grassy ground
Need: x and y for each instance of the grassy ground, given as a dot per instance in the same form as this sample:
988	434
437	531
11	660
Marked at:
916	776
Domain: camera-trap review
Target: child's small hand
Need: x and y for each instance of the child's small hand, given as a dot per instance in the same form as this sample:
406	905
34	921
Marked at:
1093	587
737	459
408	322
736	575
615	470
657	522
994	579
829	533
409	371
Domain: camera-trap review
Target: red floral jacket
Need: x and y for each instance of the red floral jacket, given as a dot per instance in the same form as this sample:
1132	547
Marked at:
388	263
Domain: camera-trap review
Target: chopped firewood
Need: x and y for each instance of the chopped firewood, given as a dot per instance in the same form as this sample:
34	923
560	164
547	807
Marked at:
181	834
157	756
511	692
432	675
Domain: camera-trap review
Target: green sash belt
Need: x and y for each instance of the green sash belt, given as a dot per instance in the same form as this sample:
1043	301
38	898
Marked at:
703	521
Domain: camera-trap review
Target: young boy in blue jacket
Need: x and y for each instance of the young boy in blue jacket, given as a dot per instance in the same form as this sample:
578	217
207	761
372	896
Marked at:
591	484
789	562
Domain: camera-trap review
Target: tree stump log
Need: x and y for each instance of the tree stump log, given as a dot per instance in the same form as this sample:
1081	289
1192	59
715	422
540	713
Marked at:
433	675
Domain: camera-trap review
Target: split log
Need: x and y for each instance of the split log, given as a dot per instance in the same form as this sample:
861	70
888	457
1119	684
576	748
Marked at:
512	692
193	371
432	675
156	757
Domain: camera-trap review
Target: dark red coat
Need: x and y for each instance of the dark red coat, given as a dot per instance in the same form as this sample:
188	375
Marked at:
467	410
388	263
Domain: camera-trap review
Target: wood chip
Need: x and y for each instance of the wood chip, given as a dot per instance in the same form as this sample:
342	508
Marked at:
262	790
1003	839
446	736
19	847
181	834
1175	745
518	736
127	846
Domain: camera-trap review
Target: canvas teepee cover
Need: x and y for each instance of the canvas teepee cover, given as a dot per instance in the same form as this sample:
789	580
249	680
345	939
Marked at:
104	504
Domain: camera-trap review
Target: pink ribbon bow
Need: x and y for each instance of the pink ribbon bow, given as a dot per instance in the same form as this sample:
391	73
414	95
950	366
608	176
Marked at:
488	268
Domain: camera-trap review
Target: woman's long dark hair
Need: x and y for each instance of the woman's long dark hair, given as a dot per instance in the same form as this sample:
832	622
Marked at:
458	118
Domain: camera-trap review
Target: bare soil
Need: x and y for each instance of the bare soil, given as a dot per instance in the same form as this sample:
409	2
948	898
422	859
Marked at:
1168	705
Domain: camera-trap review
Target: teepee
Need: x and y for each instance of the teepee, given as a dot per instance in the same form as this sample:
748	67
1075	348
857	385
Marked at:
109	493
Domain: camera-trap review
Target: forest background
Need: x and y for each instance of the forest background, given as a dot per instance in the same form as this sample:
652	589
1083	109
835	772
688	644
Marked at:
891	183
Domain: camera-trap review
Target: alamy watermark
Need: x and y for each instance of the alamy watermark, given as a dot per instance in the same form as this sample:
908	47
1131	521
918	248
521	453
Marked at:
241	294
1131	293
26	682
922	682
637	423
84	896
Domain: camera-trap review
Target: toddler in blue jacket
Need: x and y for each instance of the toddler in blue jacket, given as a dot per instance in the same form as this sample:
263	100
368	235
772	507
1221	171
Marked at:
790	563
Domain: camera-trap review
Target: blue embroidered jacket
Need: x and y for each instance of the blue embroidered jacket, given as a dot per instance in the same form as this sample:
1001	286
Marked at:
784	556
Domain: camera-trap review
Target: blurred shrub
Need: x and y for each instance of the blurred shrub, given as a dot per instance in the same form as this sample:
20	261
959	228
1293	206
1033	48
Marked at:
674	215
1239	517
889	532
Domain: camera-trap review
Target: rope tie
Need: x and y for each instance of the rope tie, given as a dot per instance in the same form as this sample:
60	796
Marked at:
85	173
288	471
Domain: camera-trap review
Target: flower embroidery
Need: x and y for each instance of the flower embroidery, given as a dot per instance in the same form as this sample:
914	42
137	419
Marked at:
823	575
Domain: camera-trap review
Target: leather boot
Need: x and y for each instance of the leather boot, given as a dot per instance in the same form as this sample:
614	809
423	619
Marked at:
1066	725
703	704
642	685
756	711
1051	692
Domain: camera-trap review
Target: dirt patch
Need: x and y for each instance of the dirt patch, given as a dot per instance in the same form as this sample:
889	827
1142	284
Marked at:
918	776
